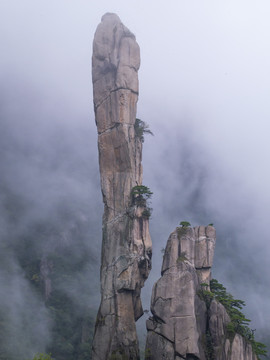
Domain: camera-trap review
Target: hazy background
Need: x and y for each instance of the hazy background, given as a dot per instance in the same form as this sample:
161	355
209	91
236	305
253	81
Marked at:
204	91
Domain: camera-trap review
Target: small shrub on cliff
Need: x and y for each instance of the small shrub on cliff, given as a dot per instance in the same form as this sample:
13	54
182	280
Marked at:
185	224
140	194
147	354
182	257
146	214
42	357
239	323
118	355
209	346
141	128
259	349
183	229
205	295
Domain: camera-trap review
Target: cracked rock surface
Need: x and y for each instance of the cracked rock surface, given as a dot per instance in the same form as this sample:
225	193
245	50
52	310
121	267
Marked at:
126	243
226	348
183	326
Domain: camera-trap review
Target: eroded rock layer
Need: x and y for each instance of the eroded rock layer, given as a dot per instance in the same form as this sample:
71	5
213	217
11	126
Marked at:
183	325
126	244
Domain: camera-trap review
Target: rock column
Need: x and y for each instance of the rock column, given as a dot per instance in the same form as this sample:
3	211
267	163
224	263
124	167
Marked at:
184	325
178	325
126	243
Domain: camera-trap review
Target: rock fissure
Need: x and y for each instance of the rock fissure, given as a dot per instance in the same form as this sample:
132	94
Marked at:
163	299
163	336
117	217
97	105
157	319
179	355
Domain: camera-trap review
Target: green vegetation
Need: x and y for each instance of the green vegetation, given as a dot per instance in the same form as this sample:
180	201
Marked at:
182	257
184	224
141	128
146	214
147	353
69	320
61	318
119	354
41	356
183	229
141	192
140	195
239	323
208	345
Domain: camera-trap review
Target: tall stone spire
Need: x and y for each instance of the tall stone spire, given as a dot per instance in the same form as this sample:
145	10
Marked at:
126	243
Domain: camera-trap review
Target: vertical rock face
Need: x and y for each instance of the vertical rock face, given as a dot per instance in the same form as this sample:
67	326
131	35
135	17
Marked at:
224	347
183	326
179	315
126	244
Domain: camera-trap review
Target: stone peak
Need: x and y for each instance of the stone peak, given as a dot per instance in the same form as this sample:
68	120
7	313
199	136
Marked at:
111	16
113	20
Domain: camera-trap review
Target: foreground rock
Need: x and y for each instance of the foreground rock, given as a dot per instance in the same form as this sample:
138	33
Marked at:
126	244
225	347
183	325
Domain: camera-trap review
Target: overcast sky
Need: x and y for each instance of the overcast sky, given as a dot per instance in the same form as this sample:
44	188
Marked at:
204	91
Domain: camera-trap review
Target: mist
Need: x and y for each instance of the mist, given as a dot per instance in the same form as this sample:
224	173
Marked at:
204	85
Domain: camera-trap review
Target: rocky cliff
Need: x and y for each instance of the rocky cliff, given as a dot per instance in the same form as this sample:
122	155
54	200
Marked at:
185	323
126	243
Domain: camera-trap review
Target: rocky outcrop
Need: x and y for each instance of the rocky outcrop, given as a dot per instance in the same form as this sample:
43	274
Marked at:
184	325
126	244
224	346
179	315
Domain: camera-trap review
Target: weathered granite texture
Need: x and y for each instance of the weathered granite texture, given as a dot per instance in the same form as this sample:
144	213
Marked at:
126	244
179	315
224	347
183	326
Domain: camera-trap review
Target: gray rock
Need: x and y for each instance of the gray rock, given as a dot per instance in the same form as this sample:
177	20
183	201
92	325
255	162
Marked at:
183	326
205	238
197	245
126	244
218	321
179	315
158	347
241	350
